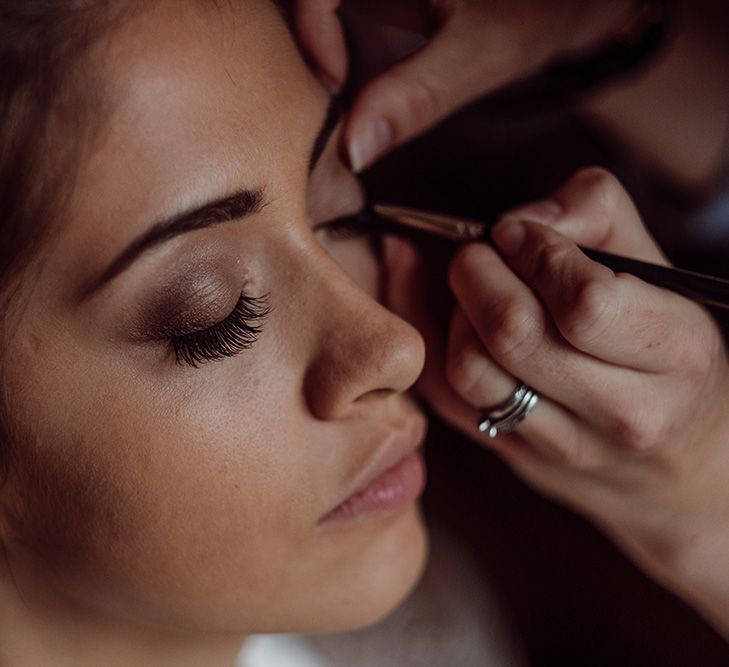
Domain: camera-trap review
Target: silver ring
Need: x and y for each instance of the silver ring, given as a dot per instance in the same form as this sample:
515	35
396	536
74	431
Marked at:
505	417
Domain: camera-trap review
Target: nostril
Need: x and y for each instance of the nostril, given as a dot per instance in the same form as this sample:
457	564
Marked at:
370	359
376	394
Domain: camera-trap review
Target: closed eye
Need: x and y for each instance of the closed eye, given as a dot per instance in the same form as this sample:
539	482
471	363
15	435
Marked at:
237	332
349	226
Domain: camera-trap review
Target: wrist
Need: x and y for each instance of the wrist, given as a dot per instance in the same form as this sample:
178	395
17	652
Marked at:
698	575
677	530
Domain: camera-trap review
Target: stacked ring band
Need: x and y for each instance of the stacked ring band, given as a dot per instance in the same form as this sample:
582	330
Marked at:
508	415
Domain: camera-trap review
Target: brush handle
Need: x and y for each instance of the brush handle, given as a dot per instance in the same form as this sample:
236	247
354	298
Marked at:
700	287
708	290
705	289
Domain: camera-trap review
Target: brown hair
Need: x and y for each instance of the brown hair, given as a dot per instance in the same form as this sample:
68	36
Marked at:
41	44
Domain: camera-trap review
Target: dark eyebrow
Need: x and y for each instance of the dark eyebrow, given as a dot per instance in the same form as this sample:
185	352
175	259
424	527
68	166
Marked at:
227	209
233	207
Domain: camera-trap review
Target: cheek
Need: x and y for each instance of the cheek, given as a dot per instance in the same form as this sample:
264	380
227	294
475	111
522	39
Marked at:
125	490
191	497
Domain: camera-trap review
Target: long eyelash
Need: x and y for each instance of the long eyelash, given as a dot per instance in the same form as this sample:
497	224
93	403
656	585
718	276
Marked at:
237	332
350	226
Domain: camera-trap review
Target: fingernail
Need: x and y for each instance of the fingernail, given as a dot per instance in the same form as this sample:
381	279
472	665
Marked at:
508	236
370	139
330	82
545	212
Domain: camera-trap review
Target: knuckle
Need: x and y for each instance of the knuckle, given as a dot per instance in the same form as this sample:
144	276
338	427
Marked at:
545	259
602	191
598	181
701	352
642	431
424	100
592	313
550	256
467	263
515	332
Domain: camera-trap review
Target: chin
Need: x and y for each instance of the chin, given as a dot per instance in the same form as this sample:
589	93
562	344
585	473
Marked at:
366	571
389	573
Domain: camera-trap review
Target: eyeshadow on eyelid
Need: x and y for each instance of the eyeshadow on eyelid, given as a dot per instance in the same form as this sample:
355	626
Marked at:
193	303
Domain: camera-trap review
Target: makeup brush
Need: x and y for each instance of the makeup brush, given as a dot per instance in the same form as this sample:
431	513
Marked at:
699	287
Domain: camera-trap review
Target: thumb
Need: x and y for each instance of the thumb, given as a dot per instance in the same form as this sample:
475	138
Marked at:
416	94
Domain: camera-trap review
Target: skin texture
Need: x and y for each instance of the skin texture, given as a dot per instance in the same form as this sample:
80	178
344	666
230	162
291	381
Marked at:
156	512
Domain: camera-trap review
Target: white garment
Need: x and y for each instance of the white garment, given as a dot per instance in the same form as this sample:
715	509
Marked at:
277	651
453	618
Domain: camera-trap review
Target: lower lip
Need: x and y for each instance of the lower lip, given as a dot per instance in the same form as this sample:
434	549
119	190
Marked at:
393	490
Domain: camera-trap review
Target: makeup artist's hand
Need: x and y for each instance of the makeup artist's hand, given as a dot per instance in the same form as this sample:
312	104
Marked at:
477	46
632	428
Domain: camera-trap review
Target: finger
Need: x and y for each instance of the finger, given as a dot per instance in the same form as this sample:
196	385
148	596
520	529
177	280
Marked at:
551	429
480	382
476	378
416	94
616	318
521	338
594	210
321	38
405	296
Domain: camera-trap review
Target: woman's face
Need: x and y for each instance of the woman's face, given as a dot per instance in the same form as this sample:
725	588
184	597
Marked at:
197	496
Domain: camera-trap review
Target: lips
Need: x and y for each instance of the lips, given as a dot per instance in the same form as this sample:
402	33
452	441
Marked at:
391	480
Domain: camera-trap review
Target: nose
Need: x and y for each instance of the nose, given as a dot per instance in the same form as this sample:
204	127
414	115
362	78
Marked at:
362	350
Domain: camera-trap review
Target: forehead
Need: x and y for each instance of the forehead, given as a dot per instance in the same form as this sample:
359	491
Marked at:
205	98
173	53
184	75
